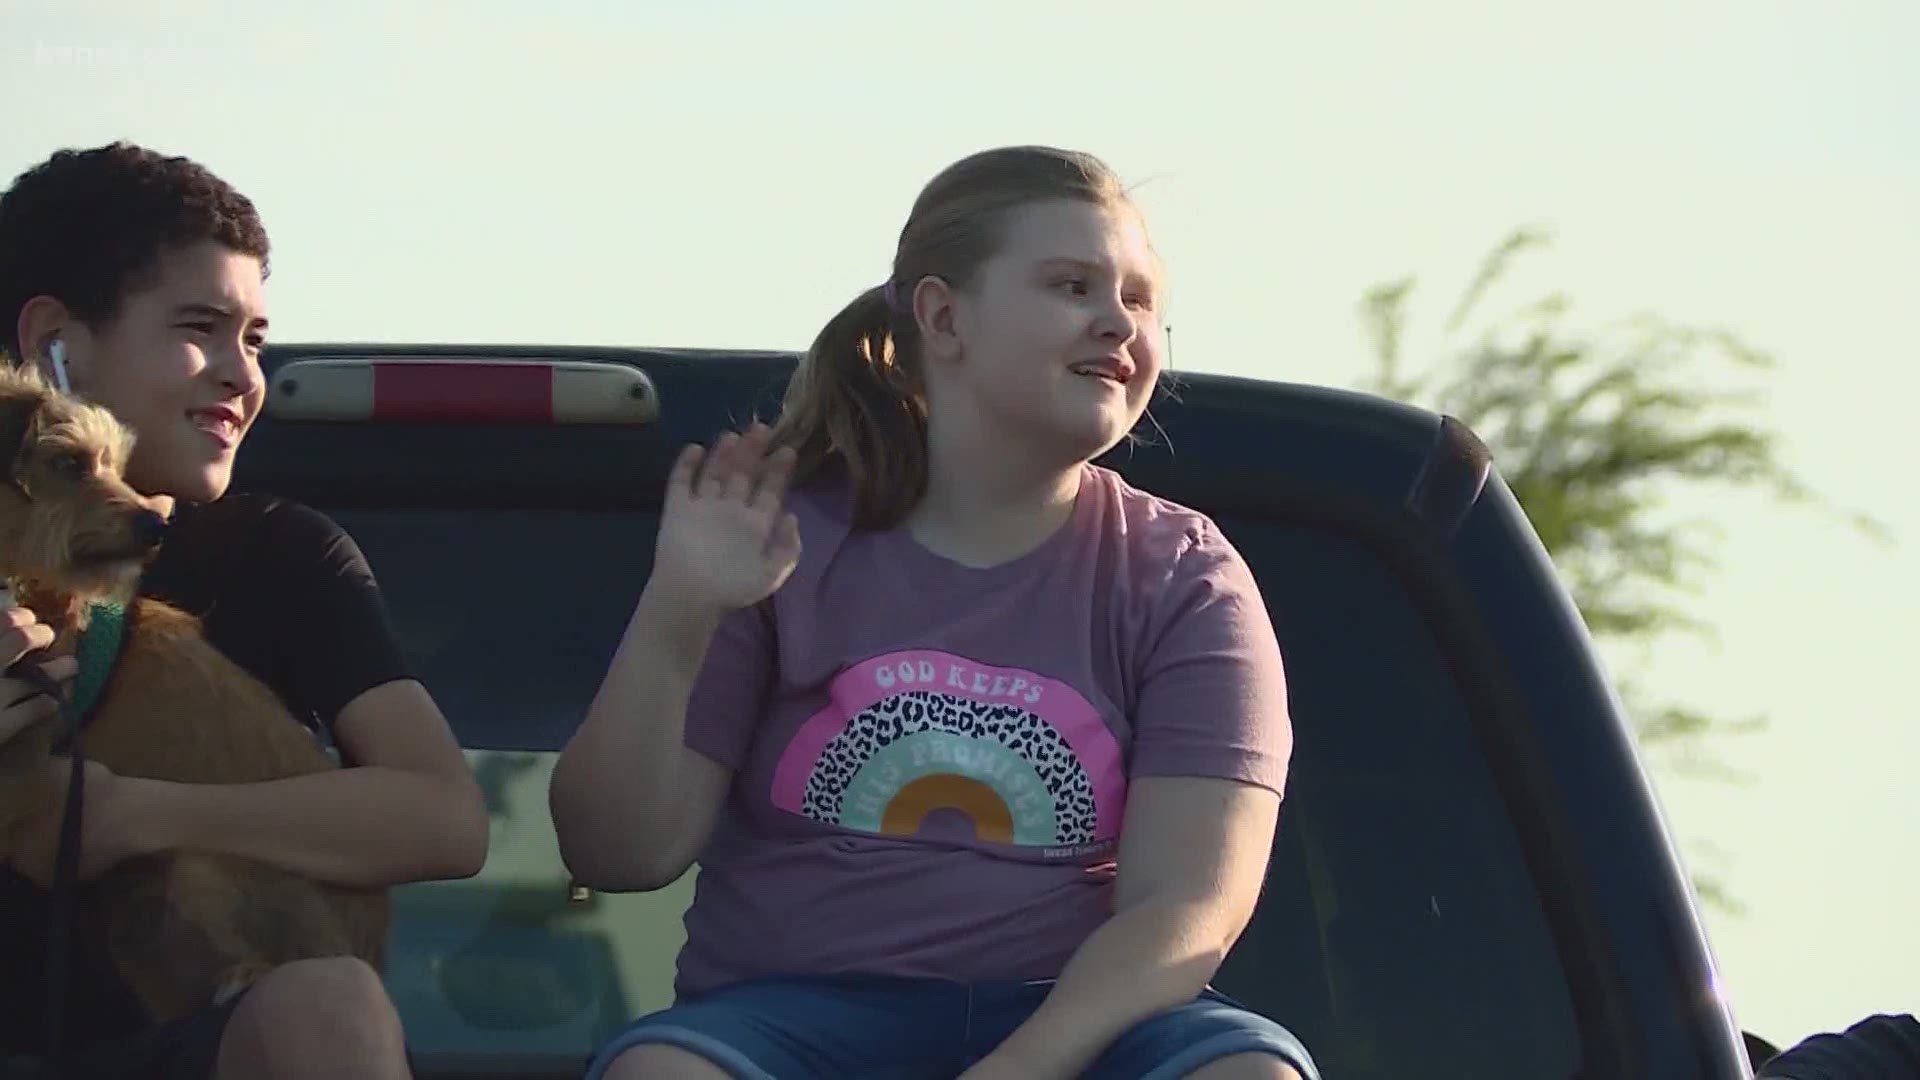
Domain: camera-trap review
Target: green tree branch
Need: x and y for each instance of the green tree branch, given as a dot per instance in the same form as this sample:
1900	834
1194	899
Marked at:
1600	435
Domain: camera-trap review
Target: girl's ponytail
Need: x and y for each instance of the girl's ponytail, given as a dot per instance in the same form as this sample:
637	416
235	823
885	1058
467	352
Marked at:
860	395
856	398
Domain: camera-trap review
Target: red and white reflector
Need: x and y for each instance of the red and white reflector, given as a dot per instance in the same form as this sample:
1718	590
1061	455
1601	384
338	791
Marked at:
457	390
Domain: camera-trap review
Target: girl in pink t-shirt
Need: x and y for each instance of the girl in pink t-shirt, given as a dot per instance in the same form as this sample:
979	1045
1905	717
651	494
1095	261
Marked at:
980	749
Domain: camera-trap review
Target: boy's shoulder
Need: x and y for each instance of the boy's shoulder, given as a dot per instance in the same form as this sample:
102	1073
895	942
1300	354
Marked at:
247	517
247	540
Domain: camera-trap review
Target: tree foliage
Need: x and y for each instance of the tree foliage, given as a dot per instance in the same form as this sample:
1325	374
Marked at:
1606	436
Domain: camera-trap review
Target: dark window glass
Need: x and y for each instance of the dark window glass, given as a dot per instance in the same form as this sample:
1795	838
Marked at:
1400	933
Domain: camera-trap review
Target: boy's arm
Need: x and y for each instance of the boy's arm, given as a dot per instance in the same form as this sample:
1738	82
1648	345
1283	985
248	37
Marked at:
407	808
411	812
410	809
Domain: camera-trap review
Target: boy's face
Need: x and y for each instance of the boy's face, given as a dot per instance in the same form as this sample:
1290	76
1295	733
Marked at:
180	365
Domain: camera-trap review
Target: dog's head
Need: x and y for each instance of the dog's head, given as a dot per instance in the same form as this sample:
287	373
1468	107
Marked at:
68	521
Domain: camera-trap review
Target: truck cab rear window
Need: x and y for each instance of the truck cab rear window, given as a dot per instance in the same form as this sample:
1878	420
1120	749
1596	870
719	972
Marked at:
1399	934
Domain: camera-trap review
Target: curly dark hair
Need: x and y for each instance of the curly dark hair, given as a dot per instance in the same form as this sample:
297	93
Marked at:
89	227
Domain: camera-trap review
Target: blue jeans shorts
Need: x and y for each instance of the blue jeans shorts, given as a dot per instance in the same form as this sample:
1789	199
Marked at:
870	1027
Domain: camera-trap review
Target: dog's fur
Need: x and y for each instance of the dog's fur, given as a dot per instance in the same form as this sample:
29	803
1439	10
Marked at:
182	927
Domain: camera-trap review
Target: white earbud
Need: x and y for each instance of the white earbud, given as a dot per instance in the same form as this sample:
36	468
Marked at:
57	355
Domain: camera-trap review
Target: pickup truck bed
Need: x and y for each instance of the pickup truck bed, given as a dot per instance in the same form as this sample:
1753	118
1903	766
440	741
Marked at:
1470	878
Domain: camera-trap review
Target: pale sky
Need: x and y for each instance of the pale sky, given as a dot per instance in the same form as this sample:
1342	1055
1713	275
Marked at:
728	173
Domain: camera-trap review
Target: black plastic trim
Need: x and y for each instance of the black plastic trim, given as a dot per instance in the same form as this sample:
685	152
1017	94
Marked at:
1451	478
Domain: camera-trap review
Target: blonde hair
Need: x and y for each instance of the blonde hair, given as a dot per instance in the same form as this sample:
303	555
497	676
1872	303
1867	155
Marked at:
858	398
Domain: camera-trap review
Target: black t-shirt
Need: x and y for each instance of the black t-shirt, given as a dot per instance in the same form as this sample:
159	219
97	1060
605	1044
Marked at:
287	595
1881	1047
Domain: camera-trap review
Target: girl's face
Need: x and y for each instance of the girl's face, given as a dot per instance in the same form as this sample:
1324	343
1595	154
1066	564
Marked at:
180	365
1058	344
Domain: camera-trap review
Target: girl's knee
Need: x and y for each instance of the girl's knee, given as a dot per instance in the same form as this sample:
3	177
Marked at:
656	1061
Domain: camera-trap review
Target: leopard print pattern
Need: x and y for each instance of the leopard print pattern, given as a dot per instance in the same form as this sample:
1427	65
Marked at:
900	715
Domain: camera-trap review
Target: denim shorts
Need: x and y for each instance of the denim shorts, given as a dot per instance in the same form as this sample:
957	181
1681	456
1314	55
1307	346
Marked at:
834	1027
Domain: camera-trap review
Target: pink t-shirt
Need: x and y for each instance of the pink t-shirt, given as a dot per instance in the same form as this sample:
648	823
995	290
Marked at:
931	760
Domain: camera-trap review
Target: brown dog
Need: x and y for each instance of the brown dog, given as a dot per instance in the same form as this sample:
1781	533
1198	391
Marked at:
184	927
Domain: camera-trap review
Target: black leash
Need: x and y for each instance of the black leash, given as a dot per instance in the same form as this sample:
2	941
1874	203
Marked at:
66	864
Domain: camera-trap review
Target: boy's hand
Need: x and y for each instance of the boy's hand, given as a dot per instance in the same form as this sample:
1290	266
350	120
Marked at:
21	703
114	825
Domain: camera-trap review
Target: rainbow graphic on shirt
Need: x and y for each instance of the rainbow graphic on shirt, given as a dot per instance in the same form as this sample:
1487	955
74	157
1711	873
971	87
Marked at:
1024	759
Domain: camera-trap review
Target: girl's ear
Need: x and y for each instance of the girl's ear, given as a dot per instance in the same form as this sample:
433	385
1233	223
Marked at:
936	314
